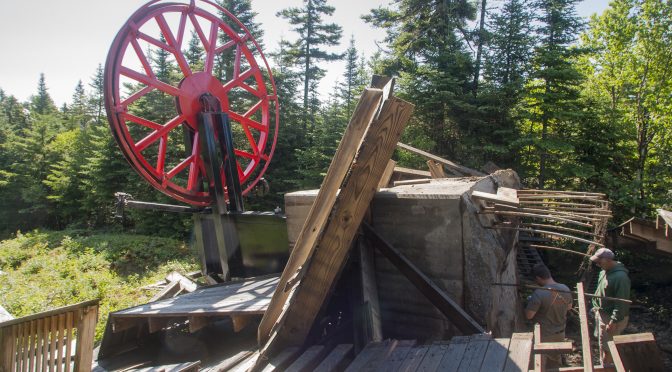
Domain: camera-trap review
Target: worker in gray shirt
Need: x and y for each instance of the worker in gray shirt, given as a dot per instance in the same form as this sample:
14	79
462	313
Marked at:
549	308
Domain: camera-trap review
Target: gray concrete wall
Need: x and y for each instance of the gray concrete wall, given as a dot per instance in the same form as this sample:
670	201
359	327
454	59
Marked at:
436	226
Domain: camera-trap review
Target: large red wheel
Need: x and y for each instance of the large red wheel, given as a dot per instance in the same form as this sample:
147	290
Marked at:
154	77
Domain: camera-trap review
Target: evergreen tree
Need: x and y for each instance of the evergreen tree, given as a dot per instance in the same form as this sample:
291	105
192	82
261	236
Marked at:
41	103
241	9
79	112
308	50
354	79
195	53
551	102
96	97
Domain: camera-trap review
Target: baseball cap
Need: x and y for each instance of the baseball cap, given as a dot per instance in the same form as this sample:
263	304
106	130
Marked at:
602	253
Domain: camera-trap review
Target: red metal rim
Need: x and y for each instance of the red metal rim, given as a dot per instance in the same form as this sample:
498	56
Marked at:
248	95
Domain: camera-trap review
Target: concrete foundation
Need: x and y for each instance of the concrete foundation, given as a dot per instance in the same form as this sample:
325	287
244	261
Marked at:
437	227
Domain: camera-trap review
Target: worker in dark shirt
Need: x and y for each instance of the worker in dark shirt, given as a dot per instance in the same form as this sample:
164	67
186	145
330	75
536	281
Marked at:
611	317
549	307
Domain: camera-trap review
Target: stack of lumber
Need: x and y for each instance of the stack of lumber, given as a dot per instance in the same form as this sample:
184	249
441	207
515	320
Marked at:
324	242
550	217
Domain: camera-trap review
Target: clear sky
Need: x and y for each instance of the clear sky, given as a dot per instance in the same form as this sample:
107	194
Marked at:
67	39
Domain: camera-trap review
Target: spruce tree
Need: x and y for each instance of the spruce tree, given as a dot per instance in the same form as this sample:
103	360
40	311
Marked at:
354	79
41	103
314	35
96	97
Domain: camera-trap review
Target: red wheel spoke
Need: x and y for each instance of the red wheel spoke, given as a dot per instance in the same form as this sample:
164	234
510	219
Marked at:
194	168
136	96
199	31
180	30
142	57
144	122
177	52
245	154
247	121
241	174
154	42
248	88
264	157
180	167
253	109
210	50
152	137
233	83
161	158
250	139
158	84
225	46
236	65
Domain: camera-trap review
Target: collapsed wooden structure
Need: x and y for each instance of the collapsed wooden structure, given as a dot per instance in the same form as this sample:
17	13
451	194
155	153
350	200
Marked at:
637	234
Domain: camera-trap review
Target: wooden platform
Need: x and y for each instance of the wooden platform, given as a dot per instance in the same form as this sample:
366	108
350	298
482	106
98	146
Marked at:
462	353
242	302
245	297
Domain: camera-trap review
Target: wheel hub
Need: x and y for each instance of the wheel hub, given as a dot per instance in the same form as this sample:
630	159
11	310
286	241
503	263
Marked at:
192	88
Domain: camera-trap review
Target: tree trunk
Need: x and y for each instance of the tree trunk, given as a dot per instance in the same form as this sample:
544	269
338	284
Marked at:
479	50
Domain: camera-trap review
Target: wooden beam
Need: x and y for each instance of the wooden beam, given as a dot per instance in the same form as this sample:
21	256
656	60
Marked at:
616	357
412	182
308	360
387	175
451	165
186	284
520	350
240	321
196	323
538	358
436	169
336	359
170	290
495	356
306	242
537	246
353	201
86	331
449	308
370	290
494	198
585	334
412	172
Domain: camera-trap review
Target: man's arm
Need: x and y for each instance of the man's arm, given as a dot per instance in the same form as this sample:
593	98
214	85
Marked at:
533	304
529	314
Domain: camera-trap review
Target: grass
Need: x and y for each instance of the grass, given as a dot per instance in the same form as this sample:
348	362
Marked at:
48	269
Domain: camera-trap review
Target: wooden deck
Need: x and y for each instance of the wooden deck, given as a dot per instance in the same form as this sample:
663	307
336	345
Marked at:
462	353
244	297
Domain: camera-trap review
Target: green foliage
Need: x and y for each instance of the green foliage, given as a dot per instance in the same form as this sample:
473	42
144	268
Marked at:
44	270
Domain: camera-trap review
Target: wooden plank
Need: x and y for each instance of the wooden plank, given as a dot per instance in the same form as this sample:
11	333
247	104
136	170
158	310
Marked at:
494	198
53	341
60	346
412	172
449	308
69	325
387	174
31	348
324	202
474	353
495	356
451	360
616	357
241	321
349	209
412	182
196	323
7	347
664	222
336	359
120	324
520	349
370	351
370	290
585	333
246	364
85	337
538	358
280	361
436	169
451	165
186	284
46	329
434	356
170	290
414	358
553	347
39	342
396	357
639	352
308	360
25	346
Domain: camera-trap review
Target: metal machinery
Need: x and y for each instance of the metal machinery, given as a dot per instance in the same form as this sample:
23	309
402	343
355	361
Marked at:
193	106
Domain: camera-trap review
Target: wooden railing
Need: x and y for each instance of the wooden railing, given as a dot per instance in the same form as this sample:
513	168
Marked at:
44	341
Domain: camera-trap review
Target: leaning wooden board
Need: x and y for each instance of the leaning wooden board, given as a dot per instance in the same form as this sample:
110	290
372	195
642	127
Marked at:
361	119
352	202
